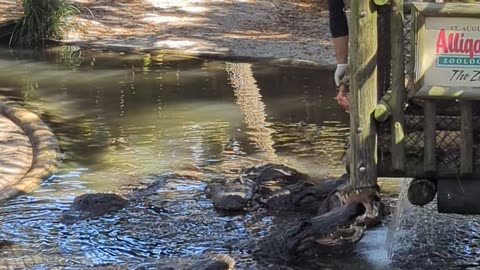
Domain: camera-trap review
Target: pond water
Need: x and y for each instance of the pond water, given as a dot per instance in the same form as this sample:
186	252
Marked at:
123	119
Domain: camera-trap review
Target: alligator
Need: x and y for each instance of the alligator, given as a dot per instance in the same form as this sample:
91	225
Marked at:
95	205
337	230
275	187
326	215
329	215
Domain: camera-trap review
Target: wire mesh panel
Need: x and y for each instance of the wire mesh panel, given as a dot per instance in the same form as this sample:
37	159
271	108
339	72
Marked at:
407	45
448	134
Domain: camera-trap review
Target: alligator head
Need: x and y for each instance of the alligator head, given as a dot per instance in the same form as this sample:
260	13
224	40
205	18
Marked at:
333	230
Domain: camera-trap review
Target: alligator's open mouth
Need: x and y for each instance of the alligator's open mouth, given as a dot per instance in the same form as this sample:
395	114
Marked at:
342	237
350	234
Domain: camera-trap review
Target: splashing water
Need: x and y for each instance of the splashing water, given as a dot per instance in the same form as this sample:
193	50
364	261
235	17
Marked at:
402	207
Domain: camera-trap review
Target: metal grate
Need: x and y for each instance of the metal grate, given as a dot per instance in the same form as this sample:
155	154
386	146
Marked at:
448	133
407	42
414	136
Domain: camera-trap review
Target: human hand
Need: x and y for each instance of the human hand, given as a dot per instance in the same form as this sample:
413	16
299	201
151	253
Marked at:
342	98
339	73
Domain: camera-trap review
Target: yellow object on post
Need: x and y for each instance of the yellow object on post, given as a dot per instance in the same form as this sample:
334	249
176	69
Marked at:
380	2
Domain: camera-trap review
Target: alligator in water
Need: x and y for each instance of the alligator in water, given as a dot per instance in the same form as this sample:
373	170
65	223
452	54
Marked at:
324	217
329	215
337	230
95	205
273	186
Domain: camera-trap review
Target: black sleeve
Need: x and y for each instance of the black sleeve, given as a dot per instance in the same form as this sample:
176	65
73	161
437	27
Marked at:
338	18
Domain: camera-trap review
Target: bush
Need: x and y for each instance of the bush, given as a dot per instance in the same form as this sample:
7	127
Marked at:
43	20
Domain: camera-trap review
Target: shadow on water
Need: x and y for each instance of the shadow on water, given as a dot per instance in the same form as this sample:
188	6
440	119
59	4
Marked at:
121	117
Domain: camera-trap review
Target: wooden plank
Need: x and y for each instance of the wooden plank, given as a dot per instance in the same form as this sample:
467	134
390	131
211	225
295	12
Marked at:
448	9
450	92
363	88
418	32
398	95
417	171
466	149
430	162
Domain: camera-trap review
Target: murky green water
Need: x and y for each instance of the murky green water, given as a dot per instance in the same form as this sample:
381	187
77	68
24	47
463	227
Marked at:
121	118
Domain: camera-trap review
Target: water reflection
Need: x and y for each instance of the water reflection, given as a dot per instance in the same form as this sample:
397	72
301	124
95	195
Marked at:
250	102
121	117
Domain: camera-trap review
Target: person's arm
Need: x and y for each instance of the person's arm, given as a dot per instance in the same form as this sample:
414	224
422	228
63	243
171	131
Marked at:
339	31
341	49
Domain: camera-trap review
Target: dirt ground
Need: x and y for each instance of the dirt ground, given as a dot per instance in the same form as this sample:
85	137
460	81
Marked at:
285	30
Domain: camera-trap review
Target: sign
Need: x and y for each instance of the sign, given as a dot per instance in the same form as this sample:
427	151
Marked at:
449	52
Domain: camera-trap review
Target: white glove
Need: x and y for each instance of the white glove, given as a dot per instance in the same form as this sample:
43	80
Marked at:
340	72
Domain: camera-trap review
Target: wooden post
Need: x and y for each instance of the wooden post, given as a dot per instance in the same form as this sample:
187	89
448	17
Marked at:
363	88
430	137
466	149
398	86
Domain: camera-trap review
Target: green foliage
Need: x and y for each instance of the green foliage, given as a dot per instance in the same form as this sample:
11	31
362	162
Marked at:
43	20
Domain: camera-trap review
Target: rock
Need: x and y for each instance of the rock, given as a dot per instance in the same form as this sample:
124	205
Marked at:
93	205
